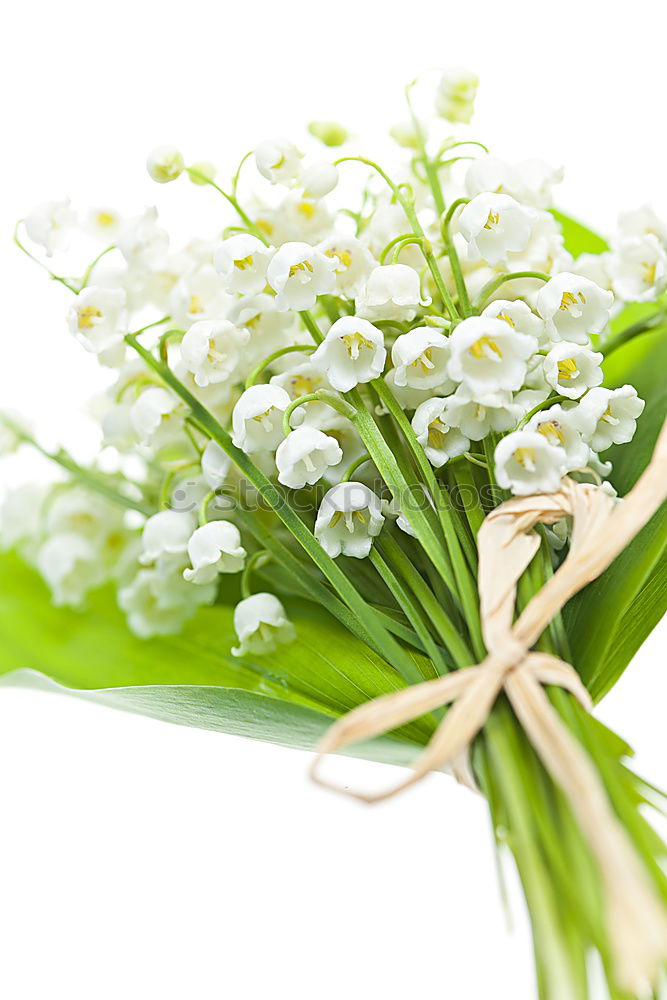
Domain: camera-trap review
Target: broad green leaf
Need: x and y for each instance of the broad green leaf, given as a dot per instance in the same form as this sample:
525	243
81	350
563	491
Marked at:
609	619
287	697
578	238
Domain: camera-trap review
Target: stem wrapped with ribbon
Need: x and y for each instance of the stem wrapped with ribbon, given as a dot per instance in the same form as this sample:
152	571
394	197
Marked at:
602	528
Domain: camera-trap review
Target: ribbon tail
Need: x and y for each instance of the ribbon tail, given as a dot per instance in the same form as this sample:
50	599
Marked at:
636	919
384	714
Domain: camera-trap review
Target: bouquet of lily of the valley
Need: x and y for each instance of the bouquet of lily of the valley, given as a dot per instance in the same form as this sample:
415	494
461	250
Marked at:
377	473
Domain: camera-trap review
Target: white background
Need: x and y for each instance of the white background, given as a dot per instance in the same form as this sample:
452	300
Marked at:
141	860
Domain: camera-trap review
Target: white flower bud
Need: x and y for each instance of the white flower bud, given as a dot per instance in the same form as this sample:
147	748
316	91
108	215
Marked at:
279	161
455	96
97	318
319	180
241	261
573	307
571	369
257	418
353	351
214	548
350	516
50	225
495	225
329	133
260	623
70	566
298	273
439	439
215	465
353	262
527	463
165	164
166	533
202	172
152	411
392	291
305	456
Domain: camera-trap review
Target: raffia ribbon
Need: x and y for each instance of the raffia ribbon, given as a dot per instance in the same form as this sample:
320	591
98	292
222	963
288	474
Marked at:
602	528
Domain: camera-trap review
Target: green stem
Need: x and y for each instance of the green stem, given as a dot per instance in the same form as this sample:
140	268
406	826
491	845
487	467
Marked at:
256	372
56	277
92	480
455	263
544	405
353	466
91	267
247	221
493	285
311	326
643	326
321	396
398	242
374	632
409	210
257	559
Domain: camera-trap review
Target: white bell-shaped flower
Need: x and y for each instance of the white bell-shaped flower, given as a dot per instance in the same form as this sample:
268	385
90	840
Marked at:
349	518
241	261
298	273
476	420
154	415
406	397
159	603
353	351
260	623
212	350
391	291
488	356
198	295
166	533
573	307
455	96
642	221
97	318
141	241
353	262
520	317
50	225
257	418
71	568
562	428
571	369
526	463
420	360
613	415
638	269
215	465
279	161
495	225
305	456
440	439
318	180
214	548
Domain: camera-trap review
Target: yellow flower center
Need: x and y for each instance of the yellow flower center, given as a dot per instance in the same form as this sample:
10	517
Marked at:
492	220
105	219
569	299
344	256
354	342
305	265
306	208
244	263
425	360
87	317
265	226
551	430
484	348
525	458
303	384
567	370
195	305
436	433
648	273
507	319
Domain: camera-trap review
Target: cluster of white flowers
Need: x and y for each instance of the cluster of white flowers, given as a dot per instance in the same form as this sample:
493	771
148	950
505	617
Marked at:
304	304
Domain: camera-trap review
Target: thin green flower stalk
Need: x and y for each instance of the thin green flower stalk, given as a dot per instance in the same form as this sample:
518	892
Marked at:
306	416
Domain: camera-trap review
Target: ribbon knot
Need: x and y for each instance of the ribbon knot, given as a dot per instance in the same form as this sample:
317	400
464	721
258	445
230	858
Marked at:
507	542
